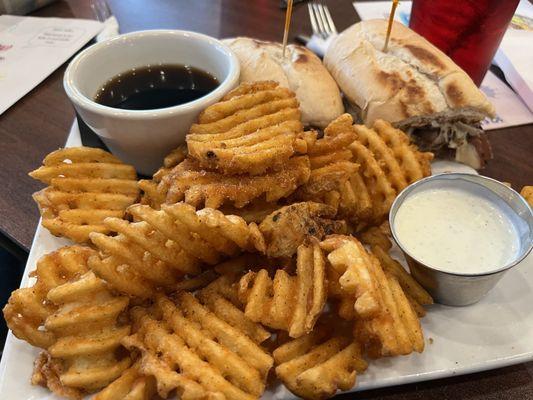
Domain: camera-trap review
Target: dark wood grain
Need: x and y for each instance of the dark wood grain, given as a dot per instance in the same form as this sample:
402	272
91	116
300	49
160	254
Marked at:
40	122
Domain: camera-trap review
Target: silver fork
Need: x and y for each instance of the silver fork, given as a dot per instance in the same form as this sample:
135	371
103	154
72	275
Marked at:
321	20
101	10
103	13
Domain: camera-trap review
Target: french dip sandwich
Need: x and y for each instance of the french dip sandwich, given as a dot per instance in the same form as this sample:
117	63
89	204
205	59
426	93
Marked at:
415	86
300	70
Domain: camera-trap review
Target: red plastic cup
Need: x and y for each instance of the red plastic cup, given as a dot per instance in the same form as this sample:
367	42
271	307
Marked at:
468	31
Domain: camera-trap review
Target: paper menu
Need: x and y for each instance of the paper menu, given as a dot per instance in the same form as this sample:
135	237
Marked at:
31	48
511	110
515	54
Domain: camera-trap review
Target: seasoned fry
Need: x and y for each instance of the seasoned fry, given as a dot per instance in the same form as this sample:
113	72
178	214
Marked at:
131	385
195	186
290	303
221	298
396	332
408	284
87	334
287	228
86	186
205	234
356	269
385	322
198	353
28	308
330	158
318	364
154	192
256	211
252	131
388	164
414	164
377	236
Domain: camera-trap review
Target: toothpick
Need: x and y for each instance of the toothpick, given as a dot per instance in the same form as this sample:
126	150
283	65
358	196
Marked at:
288	15
389	28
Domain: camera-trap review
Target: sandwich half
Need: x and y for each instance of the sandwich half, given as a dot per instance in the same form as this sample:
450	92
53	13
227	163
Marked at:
300	70
413	85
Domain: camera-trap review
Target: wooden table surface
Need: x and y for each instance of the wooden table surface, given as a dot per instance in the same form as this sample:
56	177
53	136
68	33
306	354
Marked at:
39	123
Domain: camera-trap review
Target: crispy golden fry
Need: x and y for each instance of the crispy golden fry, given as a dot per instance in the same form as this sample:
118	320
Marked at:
377	236
330	158
206	234
256	211
250	132
414	164
396	331
287	228
195	351
527	193
407	282
325	179
86	185
87	334
28	308
381	191
221	297
290	303
46	371
354	265
388	164
318	364
195	186
131	385
355	203
385	322
155	193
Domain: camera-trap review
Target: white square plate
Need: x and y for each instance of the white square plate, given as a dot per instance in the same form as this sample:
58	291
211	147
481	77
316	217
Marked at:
496	332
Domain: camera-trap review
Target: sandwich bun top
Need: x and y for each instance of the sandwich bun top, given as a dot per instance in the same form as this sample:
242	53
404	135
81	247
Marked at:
300	70
412	79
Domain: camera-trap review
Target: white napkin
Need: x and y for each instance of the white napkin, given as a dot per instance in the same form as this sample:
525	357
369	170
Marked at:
31	48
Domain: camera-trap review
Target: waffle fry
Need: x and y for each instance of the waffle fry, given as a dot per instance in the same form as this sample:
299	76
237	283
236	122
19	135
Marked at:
385	322
250	131
221	297
213	358
527	193
395	332
388	164
290	303
155	194
318	364
377	236
355	268
287	228
86	185
206	235
131	385
410	286
195	186
256	211
87	334
28	308
330	159
414	164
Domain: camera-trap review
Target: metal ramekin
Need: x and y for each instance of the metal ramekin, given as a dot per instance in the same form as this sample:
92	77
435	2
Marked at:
457	289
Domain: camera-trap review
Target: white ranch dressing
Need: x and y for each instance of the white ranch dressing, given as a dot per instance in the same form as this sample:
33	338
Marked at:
456	230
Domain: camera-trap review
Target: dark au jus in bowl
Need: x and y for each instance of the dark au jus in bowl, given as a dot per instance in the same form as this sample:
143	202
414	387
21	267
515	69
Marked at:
156	86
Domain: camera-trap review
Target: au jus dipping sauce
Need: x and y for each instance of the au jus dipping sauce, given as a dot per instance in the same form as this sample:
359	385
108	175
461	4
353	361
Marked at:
155	86
457	229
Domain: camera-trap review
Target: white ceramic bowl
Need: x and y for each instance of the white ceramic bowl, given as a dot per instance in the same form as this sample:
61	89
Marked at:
143	137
